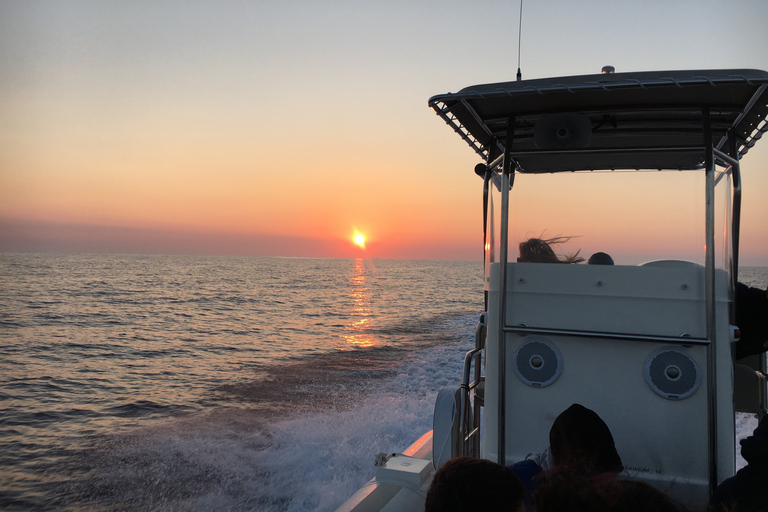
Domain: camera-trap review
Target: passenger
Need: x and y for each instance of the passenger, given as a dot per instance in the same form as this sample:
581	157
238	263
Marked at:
747	490
537	250
752	320
466	484
600	258
580	443
580	440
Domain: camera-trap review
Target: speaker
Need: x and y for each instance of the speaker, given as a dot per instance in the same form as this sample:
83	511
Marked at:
562	131
538	362
672	373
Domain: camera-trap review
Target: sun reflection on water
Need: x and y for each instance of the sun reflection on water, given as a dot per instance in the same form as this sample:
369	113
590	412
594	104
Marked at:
356	332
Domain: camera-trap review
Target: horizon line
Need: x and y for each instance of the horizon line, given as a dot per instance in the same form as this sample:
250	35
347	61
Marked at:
29	236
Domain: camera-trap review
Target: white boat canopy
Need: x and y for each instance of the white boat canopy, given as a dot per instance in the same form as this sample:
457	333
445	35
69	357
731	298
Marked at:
644	120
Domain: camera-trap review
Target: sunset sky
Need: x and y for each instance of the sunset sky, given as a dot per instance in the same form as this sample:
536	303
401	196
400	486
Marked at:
286	127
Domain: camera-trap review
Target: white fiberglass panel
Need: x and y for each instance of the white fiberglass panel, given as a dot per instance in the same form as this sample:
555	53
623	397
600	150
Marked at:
651	300
661	439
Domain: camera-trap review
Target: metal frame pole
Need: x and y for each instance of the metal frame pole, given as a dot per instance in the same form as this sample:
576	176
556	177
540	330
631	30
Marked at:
709	161
736	207
506	183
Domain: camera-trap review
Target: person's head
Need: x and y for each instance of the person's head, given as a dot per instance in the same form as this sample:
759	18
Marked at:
538	250
600	258
466	484
581	440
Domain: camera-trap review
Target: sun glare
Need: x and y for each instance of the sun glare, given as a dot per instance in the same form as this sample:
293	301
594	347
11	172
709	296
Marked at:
359	240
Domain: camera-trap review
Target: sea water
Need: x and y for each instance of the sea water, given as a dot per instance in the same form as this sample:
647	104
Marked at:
222	383
214	383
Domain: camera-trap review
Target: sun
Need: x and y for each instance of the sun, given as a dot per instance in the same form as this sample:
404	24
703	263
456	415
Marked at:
360	240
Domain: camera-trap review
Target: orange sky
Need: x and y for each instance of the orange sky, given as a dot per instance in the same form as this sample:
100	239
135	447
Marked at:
281	129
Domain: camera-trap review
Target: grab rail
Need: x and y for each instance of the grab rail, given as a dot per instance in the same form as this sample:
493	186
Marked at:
681	340
469	433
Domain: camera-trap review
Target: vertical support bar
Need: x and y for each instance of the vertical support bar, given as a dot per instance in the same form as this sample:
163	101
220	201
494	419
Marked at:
736	212
709	162
507	169
735	228
486	259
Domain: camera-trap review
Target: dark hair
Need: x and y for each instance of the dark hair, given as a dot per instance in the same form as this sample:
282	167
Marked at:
600	258
580	439
466	484
538	250
569	491
634	496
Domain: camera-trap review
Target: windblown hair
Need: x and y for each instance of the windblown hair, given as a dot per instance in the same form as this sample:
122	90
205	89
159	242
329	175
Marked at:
538	250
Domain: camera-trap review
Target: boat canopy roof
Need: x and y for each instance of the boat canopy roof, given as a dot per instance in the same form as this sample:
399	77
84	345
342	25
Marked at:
644	120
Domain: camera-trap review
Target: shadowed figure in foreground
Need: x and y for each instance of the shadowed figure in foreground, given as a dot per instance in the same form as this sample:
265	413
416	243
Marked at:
580	445
466	484
581	441
747	490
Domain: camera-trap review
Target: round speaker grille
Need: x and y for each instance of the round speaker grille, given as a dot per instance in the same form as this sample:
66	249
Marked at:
538	362
672	373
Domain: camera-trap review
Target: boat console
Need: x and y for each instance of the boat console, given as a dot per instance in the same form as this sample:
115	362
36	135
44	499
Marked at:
648	347
629	342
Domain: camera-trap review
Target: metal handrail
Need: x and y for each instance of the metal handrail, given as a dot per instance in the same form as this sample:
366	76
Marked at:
681	340
467	386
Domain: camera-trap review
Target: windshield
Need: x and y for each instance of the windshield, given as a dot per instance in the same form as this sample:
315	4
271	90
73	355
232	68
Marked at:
634	217
724	252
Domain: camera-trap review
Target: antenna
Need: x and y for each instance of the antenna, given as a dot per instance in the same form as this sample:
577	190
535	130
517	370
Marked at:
519	39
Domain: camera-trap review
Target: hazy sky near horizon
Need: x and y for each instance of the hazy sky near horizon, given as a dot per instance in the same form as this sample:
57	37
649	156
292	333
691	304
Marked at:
283	127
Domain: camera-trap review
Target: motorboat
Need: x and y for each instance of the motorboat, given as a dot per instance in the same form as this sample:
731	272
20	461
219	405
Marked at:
648	345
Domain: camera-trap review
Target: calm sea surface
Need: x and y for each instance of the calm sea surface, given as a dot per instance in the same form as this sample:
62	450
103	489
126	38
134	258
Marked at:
221	383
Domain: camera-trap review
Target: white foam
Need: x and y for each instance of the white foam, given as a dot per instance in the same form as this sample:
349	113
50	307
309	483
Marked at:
745	425
330	455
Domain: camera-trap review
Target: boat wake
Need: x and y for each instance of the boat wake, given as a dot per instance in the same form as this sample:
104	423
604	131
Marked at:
253	455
